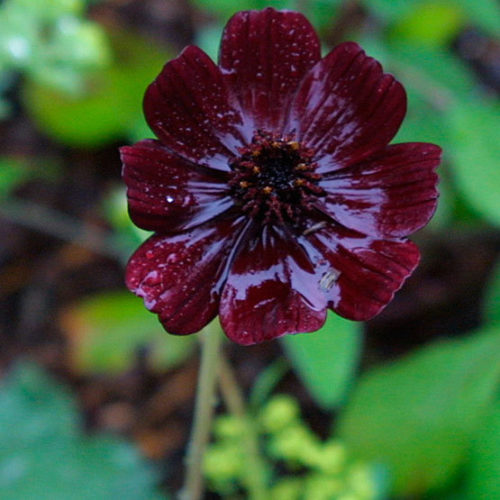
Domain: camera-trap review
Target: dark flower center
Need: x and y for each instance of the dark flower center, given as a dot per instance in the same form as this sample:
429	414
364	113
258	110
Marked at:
274	178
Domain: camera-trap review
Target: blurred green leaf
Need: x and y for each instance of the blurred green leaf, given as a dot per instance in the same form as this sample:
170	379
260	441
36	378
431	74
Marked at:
127	236
483	470
492	298
51	42
106	333
43	456
475	151
320	12
112	106
16	170
432	73
484	14
226	8
418	415
432	23
12	173
326	360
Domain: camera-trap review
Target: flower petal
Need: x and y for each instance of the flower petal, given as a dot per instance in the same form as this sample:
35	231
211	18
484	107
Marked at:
265	54
168	194
359	275
270	291
346	108
180	276
392	194
190	109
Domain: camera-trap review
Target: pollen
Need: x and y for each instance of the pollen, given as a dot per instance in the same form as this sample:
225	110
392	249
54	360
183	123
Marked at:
267	190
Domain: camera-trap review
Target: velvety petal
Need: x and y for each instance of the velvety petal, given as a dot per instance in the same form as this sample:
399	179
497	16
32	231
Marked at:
265	54
167	193
270	291
180	276
392	194
359	275
346	108
190	109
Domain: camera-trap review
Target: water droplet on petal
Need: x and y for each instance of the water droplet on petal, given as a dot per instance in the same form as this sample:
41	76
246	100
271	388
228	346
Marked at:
170	199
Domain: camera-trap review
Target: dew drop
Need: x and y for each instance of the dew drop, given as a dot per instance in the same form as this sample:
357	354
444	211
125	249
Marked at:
170	199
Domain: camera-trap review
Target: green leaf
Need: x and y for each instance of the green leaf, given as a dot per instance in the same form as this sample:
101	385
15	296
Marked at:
418	415
112	105
106	333
484	14
429	23
492	299
12	173
475	150
320	12
483	471
44	456
326	360
433	73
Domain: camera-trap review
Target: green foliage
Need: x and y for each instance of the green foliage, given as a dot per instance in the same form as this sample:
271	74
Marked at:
107	331
319	12
476	149
51	42
12	173
326	470
15	171
429	23
43	454
127	235
483	470
326	360
484	13
111	106
492	300
418	415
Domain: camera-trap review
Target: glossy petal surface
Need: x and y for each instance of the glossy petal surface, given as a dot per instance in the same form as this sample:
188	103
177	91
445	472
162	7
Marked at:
272	187
346	108
180	276
359	275
166	193
271	290
264	55
392	194
192	112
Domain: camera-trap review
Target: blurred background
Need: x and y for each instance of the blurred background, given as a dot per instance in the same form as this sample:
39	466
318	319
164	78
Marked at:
96	400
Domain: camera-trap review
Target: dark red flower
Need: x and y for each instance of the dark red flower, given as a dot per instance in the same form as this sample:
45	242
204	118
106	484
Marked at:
272	189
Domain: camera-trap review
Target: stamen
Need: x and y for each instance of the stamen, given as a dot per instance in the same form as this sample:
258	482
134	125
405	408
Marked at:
274	179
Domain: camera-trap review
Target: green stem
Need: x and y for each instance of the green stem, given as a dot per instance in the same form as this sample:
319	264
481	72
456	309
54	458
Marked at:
256	467
204	406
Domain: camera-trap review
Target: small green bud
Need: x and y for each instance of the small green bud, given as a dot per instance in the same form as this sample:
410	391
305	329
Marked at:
228	427
223	463
280	412
361	481
287	489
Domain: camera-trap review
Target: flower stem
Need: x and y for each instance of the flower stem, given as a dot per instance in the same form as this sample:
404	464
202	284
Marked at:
204	406
256	468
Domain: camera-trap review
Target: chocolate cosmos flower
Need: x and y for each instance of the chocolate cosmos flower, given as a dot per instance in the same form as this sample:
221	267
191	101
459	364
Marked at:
271	189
